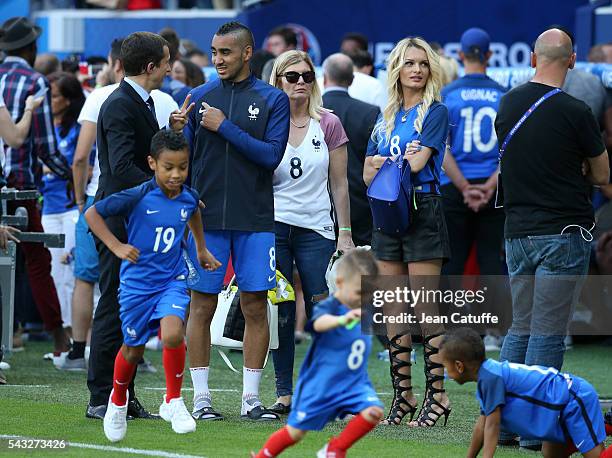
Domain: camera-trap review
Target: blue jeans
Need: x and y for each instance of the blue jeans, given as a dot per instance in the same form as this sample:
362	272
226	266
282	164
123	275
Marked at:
311	253
546	275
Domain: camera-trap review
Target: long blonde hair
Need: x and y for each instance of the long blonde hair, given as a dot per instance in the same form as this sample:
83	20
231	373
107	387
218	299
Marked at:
395	93
286	60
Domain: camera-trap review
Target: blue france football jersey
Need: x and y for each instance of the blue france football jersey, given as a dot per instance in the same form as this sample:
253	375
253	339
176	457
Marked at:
337	360
536	393
155	225
472	102
433	135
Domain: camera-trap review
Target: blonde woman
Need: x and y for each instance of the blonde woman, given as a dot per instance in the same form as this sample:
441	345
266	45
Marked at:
414	124
314	161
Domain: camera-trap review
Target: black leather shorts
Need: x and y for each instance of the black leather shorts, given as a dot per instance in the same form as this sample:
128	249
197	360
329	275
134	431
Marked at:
426	239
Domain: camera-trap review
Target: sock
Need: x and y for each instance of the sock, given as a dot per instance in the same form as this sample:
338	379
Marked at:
201	394
354	430
276	443
78	350
608	430
607	453
250	382
174	366
122	376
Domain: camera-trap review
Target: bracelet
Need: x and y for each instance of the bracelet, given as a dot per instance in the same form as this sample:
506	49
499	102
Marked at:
342	320
347	229
80	202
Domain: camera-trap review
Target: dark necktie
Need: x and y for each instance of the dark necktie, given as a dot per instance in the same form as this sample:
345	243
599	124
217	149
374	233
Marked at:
151	106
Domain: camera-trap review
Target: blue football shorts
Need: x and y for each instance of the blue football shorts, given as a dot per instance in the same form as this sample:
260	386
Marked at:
312	413
141	313
582	418
253	258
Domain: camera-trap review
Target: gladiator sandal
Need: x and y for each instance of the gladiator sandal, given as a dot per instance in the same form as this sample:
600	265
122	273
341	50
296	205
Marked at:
428	416
399	406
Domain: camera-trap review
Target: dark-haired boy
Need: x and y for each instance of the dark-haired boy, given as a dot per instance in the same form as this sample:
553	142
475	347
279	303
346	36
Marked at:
334	380
535	402
153	289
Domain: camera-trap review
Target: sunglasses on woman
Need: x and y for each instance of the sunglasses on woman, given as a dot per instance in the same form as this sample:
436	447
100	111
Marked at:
294	77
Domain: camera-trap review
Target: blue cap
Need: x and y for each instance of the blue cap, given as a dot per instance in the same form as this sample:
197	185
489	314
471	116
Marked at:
475	41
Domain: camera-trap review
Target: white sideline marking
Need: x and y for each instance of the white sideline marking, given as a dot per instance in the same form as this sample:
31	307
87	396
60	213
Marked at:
26	386
153	388
108	448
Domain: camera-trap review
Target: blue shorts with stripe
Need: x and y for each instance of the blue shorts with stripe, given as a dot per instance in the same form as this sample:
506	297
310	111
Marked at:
253	258
582	419
141	313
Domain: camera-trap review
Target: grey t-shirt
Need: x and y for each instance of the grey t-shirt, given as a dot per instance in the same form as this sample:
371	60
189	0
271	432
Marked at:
588	88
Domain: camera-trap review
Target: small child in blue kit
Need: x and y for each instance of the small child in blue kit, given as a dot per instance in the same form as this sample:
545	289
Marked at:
153	291
333	380
535	402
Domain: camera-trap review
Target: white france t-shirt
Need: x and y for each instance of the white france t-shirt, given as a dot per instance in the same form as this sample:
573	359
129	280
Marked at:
300	182
164	105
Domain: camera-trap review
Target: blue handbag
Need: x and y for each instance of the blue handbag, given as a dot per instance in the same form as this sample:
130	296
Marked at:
389	195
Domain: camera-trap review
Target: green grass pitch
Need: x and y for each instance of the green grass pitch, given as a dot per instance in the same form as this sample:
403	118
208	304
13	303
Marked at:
57	412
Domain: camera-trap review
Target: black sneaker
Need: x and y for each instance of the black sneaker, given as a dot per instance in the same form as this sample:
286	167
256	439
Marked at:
95	412
136	410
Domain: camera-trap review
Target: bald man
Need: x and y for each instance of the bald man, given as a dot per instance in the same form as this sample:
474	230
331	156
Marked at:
358	119
547	170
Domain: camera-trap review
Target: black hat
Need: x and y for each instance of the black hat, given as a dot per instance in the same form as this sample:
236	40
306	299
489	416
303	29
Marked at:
18	32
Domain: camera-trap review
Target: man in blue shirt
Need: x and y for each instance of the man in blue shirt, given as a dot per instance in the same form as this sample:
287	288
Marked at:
238	134
333	380
153	291
470	166
562	409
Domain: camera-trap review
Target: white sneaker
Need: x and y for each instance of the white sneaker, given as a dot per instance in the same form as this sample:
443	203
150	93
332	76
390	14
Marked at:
154	344
64	363
176	413
4	366
115	420
323	452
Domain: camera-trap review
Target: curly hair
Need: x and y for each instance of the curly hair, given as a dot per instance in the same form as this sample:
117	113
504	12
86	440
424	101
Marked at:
431	92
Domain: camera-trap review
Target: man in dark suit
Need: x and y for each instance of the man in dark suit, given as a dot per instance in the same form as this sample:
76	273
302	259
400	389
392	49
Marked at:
126	124
358	119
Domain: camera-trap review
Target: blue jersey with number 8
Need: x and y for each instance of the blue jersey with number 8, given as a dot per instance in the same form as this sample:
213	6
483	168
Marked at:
155	225
472	103
337	360
433	135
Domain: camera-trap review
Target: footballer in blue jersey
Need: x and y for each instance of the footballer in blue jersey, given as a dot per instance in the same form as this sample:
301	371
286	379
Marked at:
470	167
333	380
561	409
153	291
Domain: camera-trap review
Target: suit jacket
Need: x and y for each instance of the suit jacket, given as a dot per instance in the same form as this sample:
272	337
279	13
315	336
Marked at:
125	129
358	119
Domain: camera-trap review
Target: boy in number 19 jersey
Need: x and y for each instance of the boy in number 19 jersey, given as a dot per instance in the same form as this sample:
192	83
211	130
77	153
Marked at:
333	380
153	290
